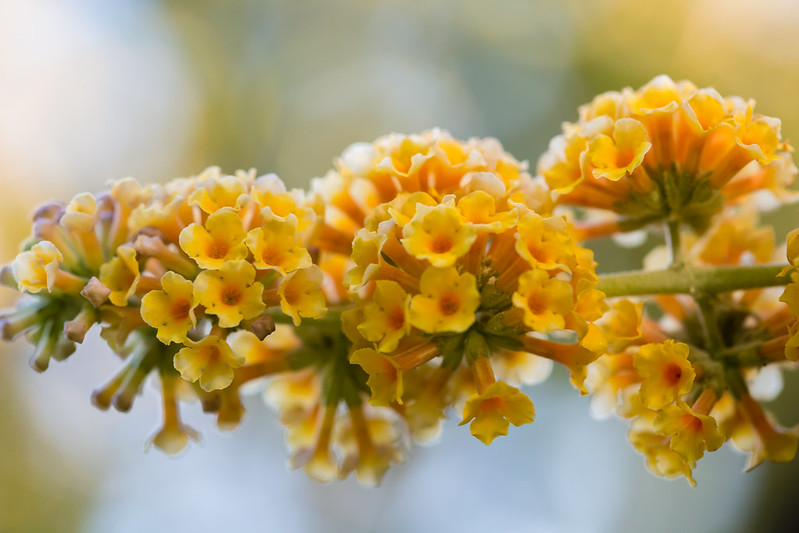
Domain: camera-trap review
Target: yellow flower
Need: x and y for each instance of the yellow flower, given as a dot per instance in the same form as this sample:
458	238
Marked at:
220	241
121	275
231	293
301	294
544	243
623	323
491	412
691	433
369	444
276	203
218	192
479	208
544	300
447	303
385	376
660	458
772	442
81	213
269	352
36	269
616	157
627	148
170	311
366	254
666	372
385	321
275	246
734	237
438	235
209	360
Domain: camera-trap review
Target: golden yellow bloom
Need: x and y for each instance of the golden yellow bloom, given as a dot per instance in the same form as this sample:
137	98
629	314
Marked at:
37	269
666	150
231	293
544	300
772	443
622	323
275	246
734	238
385	375
271	349
660	458
369	444
366	255
438	234
385	319
219	192
617	156
210	360
301	295
219	242
666	372
479	208
691	433
491	412
447	302
170	311
121	275
81	213
544	243
278	204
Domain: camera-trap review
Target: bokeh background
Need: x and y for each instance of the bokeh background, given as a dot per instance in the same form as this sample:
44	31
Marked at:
93	90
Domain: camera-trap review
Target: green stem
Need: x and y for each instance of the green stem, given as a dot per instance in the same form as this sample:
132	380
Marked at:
673	241
710	324
695	281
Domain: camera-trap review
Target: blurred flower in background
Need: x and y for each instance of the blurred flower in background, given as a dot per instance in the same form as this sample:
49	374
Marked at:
93	90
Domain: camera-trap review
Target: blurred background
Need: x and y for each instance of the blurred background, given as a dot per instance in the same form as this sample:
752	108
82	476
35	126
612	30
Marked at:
94	90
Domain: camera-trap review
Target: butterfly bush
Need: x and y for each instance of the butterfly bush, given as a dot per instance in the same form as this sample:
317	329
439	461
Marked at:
425	276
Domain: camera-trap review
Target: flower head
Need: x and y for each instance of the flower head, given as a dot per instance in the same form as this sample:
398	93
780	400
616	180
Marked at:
666	372
211	361
231	293
492	412
446	303
36	269
218	242
171	310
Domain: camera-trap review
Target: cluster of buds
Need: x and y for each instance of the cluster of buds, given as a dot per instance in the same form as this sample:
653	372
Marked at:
424	274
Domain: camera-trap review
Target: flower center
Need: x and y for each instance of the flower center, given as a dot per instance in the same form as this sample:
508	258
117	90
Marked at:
396	318
449	304
218	250
231	296
672	374
180	310
537	303
441	244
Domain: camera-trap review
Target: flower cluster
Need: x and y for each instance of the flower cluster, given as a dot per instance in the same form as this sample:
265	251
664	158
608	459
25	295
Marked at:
666	150
689	380
425	274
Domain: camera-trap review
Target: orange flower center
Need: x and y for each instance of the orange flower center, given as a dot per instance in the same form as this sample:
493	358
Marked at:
218	250
396	318
180	310
270	256
492	405
537	303
624	157
441	244
672	373
449	304
692	423
231	295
